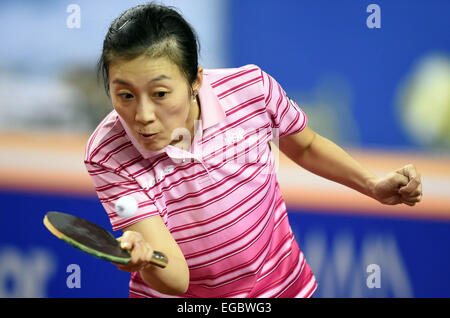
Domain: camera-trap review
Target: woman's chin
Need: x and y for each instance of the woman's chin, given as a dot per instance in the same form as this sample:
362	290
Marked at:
153	146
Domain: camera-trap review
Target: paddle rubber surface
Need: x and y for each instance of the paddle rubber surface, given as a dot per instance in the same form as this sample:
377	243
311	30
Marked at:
86	236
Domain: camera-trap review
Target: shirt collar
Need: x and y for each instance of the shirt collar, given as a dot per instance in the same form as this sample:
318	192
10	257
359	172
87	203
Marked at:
211	114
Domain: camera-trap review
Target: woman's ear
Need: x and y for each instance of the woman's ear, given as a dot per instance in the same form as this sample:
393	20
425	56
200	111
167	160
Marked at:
199	80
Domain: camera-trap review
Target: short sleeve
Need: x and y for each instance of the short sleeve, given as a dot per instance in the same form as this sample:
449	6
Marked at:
285	115
111	186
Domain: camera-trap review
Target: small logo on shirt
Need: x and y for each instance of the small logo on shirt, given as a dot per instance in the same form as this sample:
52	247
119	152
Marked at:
150	183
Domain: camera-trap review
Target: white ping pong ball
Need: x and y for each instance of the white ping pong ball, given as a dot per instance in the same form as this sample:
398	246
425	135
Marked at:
126	207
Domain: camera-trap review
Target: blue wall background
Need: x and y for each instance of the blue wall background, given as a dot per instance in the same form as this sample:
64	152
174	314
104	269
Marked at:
299	42
413	255
33	263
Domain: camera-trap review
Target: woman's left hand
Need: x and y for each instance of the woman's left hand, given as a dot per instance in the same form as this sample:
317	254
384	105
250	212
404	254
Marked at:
401	186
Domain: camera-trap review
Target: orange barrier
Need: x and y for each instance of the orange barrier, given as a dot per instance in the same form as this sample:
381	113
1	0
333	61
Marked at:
44	162
301	188
49	162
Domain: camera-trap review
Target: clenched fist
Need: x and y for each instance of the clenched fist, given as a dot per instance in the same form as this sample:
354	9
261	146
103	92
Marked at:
401	186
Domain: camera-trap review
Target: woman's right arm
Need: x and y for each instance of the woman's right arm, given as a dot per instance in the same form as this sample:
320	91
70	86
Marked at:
141	239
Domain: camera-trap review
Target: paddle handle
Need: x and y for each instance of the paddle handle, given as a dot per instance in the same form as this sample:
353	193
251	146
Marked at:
159	259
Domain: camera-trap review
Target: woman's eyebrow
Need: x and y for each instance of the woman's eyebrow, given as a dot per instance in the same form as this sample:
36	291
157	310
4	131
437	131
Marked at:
160	78
156	79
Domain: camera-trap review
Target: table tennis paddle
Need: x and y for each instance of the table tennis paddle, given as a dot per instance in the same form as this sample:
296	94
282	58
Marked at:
92	239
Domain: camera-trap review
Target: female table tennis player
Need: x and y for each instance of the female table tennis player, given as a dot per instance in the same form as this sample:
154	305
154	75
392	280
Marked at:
191	147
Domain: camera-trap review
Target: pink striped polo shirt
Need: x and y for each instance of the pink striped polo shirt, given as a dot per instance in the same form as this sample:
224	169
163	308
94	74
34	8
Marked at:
219	198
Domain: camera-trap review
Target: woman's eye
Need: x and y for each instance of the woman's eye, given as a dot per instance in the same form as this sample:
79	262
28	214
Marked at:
161	94
126	96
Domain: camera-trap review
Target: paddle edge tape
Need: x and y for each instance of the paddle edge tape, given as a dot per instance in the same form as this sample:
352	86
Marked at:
68	240
52	229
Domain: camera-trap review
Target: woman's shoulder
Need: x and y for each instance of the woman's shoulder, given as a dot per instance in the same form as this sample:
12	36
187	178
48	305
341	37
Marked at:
217	75
109	127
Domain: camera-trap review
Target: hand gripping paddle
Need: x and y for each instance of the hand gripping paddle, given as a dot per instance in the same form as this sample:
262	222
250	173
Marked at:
92	239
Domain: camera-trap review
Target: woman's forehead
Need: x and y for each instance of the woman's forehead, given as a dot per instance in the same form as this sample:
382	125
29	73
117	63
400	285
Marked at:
144	68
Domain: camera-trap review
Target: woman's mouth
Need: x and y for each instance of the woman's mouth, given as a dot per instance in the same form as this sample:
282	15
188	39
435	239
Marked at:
149	136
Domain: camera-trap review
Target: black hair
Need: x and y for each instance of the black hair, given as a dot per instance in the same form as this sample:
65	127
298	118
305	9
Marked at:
153	30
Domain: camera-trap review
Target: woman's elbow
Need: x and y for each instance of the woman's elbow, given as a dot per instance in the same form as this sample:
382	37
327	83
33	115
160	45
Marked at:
177	289
174	286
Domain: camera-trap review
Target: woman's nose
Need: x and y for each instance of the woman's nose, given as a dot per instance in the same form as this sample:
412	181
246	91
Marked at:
145	113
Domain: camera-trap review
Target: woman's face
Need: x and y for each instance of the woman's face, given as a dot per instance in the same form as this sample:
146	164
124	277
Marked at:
154	99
